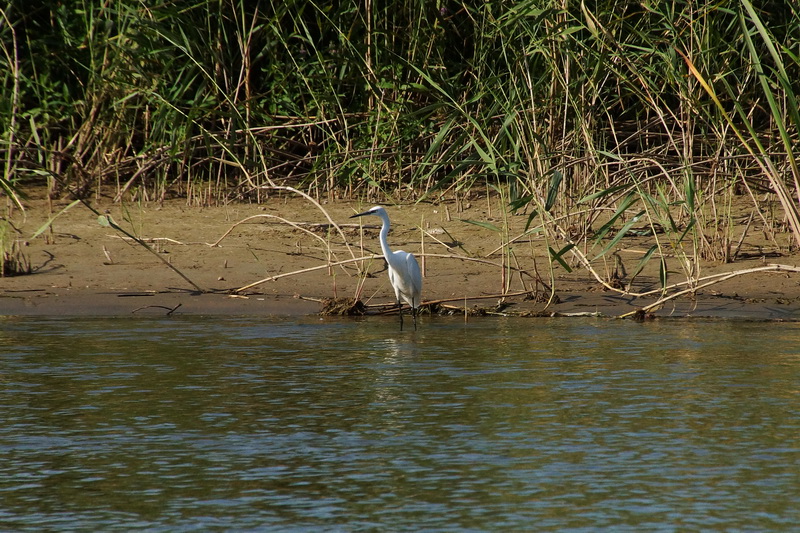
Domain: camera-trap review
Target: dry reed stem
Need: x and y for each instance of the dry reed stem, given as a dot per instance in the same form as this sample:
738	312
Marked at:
762	159
482	297
718	278
301	271
152	240
317	204
169	310
437	240
385	309
735	253
14	108
393	306
715	278
295	225
530	231
374	257
247	219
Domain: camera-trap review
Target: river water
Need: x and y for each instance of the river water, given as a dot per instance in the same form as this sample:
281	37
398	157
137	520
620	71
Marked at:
309	424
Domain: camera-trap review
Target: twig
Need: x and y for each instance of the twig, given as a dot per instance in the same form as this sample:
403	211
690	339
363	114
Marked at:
151	240
446	300
435	239
484	297
296	225
170	310
530	231
309	299
317	204
108	221
744	234
718	278
372	258
302	271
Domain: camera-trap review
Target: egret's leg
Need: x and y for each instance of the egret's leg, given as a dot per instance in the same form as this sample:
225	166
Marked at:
400	312
414	314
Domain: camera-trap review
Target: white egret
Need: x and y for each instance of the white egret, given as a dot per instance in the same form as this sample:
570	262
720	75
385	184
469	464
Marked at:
404	273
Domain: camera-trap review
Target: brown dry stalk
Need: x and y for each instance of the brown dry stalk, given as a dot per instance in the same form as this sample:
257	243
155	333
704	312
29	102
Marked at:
301	271
717	278
761	159
295	225
482	297
150	240
372	258
317	204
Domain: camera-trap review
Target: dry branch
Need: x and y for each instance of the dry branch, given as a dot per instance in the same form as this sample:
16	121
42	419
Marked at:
717	278
372	258
317	204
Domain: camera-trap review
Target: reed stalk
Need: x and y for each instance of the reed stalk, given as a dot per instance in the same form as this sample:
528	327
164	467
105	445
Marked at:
649	113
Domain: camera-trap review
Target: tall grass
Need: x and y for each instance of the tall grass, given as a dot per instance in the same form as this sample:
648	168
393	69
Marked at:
659	114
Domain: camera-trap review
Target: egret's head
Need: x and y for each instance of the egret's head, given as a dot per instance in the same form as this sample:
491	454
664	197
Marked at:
377	211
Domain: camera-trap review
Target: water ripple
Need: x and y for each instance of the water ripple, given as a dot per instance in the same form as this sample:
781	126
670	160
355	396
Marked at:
335	425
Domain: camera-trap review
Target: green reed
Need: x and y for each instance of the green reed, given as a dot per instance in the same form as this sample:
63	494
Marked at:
653	113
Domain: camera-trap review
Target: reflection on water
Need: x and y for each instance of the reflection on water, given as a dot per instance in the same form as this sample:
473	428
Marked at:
238	423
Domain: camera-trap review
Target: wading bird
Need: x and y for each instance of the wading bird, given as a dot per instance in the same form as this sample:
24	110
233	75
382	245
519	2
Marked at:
404	273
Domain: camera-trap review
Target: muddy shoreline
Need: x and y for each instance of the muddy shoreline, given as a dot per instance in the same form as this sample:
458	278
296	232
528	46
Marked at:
82	268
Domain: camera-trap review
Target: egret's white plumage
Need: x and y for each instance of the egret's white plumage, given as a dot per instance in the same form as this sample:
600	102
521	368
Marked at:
404	273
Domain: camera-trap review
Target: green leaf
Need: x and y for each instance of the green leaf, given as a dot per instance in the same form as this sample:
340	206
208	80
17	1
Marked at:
643	261
689	226
689	187
601	194
552	192
662	273
47	224
558	256
626	203
609	155
620	234
779	72
486	225
530	219
520	202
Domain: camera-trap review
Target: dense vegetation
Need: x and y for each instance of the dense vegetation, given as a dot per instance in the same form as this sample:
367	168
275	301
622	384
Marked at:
589	115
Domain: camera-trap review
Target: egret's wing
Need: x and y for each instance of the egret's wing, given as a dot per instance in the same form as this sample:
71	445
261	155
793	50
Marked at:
406	278
393	279
415	276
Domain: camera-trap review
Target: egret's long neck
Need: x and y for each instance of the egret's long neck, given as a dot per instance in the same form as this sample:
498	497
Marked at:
384	234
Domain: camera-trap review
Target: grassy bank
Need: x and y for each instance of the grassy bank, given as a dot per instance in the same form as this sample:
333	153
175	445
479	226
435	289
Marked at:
594	119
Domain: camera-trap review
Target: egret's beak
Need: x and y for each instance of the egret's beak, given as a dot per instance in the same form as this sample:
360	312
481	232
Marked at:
361	214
